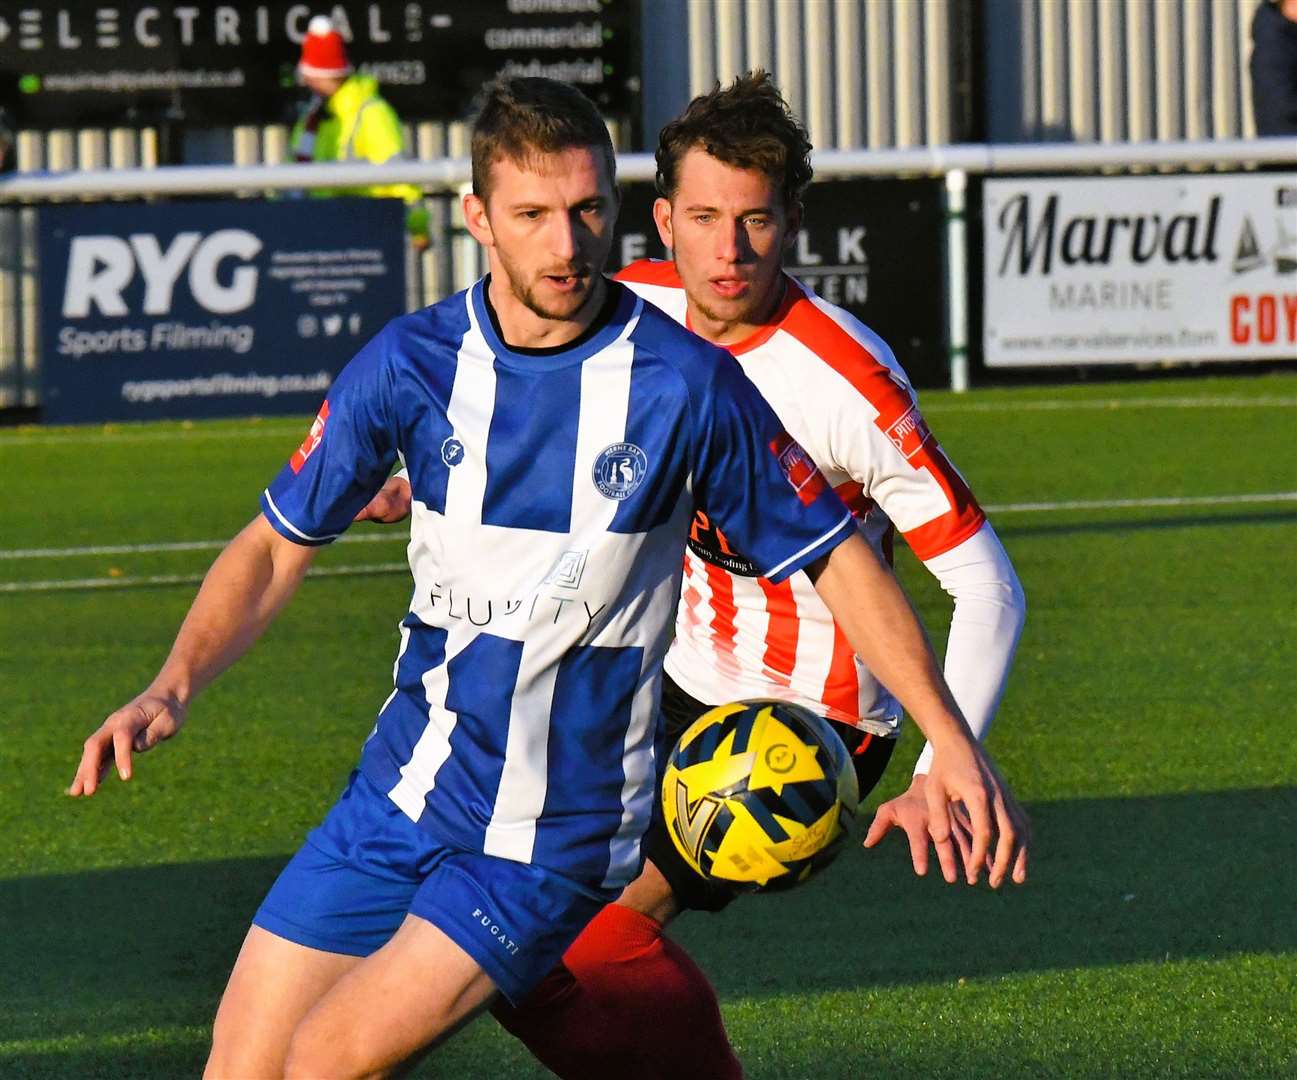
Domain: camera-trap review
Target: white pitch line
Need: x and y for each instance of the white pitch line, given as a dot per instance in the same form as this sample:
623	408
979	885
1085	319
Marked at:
110	582
1048	404
1122	504
1063	404
179	579
179	545
396	536
41	438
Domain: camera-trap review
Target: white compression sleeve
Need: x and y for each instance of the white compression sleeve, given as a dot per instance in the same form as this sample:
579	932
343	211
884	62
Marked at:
990	608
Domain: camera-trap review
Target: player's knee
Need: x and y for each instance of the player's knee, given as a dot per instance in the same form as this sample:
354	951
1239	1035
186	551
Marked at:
238	1052
303	1060
227	1060
315	1052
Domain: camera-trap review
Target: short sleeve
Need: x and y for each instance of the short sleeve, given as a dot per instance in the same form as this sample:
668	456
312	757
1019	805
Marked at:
345	458
755	483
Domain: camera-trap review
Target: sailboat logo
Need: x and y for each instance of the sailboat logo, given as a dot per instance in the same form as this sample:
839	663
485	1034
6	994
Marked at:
1247	253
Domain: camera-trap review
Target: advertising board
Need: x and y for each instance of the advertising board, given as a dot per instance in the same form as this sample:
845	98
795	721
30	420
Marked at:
133	64
222	308
1145	269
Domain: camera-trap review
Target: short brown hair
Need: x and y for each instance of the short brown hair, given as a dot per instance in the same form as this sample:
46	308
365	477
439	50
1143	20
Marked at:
747	124
519	118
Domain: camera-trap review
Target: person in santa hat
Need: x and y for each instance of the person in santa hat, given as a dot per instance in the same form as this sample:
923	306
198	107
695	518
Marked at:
347	120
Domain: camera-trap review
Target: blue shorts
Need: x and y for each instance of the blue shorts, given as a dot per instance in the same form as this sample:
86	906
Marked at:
367	865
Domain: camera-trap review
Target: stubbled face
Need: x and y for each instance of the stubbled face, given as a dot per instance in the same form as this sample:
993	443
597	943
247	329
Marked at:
547	225
728	229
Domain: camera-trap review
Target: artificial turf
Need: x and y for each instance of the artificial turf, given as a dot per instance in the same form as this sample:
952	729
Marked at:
1150	728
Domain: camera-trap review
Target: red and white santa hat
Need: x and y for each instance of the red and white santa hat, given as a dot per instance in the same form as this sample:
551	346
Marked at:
323	53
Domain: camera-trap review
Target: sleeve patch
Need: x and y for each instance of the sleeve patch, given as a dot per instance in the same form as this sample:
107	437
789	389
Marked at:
798	468
313	439
909	433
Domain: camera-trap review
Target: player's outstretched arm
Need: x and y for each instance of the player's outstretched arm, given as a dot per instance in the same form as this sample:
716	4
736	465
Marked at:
989	612
248	584
874	614
990	609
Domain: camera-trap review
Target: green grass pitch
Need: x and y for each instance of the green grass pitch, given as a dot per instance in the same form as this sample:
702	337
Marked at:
1149	727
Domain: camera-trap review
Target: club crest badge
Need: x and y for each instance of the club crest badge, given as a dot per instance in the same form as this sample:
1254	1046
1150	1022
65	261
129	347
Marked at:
619	470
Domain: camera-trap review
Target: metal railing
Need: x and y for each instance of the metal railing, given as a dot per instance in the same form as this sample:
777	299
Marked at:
449	174
454	260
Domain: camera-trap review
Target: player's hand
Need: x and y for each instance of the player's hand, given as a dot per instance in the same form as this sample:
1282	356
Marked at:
134	728
909	813
391	504
971	807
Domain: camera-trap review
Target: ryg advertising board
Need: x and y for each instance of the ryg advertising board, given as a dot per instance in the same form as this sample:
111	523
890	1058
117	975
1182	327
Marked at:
223	308
1140	269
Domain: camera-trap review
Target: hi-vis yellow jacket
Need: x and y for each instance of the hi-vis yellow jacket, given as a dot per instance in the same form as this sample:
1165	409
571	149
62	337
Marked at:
358	125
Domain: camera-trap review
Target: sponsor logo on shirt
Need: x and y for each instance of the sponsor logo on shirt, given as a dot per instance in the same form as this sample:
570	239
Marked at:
798	467
452	451
568	570
619	469
710	544
312	440
444	602
909	433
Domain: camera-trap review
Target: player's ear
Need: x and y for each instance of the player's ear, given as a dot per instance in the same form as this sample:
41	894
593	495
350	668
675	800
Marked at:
662	219
476	220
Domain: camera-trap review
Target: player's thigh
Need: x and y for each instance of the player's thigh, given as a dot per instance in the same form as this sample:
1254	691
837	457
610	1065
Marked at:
339	898
274	984
416	989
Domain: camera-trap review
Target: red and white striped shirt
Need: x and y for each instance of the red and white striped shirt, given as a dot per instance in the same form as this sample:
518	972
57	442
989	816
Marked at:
839	392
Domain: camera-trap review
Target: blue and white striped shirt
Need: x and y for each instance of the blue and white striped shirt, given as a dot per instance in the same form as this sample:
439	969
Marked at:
552	496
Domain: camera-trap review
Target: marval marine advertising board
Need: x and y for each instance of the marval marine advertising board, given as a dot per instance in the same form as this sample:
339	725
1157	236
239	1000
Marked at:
1140	269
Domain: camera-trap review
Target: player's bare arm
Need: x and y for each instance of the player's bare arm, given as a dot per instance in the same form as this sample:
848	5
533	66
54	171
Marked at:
877	619
248	584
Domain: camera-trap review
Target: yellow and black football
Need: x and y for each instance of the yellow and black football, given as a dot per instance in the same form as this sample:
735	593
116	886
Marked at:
761	793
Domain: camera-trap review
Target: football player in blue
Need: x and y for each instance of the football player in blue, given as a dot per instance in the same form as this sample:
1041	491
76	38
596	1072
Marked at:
558	432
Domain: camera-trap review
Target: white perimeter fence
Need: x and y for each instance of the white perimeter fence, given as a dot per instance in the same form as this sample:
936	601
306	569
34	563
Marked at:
454	260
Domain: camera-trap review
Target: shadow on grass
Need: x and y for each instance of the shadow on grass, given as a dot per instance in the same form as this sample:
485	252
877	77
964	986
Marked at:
143	951
1114	881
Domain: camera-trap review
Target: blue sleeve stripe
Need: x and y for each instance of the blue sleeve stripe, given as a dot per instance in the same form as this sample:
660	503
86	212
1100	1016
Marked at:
823	541
306	538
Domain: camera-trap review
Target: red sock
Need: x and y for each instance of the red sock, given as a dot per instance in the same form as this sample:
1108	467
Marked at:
625	1002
